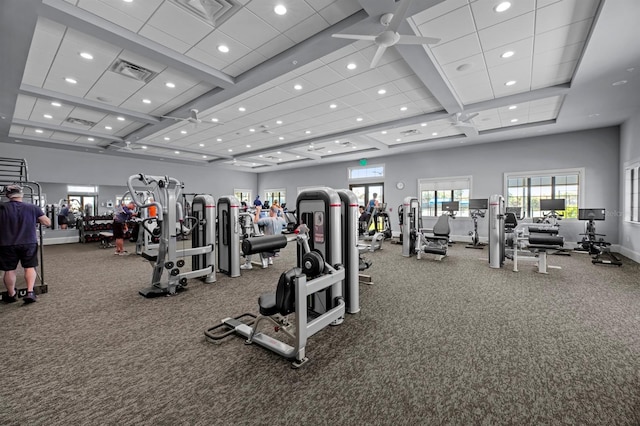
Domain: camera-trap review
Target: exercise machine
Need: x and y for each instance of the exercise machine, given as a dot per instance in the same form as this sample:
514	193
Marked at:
478	207
228	209
508	239
319	291
167	278
417	240
379	223
592	242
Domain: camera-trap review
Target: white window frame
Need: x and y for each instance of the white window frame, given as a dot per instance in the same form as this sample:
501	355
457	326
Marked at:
82	189
267	191
371	178
444	184
580	171
631	200
244	191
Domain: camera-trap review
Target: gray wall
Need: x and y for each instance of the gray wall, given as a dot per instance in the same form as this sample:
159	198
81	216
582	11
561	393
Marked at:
67	167
597	151
629	151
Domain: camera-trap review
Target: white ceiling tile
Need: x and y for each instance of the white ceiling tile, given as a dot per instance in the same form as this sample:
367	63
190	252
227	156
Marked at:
322	77
356	99
451	26
297	11
473	88
114	88
522	49
24	107
248	29
561	13
107	11
552	75
164	39
244	64
44	45
339	10
485	15
518	28
276	45
465	66
557	56
205	57
519	71
395	70
457	49
438	10
65	137
216	38
394	101
408	83
305	29
179	23
368	79
569	34
341	88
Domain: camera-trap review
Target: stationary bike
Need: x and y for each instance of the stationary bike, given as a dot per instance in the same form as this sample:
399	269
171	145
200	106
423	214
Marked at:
475	238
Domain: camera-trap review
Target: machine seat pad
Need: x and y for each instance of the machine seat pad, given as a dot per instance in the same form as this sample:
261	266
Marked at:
283	301
546	240
435	250
543	230
267	303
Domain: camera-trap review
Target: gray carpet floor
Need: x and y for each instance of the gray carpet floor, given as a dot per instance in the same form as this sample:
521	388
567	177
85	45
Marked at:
436	343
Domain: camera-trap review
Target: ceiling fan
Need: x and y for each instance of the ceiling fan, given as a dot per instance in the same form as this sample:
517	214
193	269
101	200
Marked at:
127	147
193	118
463	123
390	36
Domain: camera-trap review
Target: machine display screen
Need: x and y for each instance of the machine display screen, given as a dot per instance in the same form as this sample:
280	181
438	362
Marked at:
548	205
478	204
591	214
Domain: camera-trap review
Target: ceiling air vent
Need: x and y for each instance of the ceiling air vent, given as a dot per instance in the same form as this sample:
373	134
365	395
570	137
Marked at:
80	121
134	71
213	12
411	132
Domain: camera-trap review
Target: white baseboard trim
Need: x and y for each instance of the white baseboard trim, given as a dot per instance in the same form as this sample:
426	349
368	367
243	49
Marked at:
633	255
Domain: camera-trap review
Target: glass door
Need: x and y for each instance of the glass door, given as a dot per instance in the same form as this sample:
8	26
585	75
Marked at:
365	192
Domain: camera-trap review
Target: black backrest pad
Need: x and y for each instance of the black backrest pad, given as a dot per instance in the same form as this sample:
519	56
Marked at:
286	291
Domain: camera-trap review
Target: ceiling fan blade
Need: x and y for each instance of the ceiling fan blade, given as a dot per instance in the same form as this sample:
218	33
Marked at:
193	115
399	15
471	116
470	131
173	118
409	39
355	36
377	56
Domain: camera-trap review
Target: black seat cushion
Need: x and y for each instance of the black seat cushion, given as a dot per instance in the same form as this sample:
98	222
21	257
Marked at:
267	303
283	301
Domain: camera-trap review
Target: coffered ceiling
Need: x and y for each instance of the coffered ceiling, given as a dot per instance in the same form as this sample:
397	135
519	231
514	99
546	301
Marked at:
150	78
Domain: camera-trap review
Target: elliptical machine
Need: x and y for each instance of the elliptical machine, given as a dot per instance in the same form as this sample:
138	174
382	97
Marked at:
592	242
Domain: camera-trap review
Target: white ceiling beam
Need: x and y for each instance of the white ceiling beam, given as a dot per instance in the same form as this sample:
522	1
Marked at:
74	17
63	129
38	92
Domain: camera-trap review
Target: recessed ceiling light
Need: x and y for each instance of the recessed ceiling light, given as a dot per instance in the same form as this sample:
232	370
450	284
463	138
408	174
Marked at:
398	140
337	141
176	152
56	104
167	138
120	118
297	87
353	147
242	109
297	156
384	132
86	55
184	132
281	138
223	48
90	139
48	116
70	80
351	66
503	6
513	107
280	10
619	83
594	115
143	147
329	151
507	54
382	92
219	140
423	124
128	1
230	150
248	146
510	83
279	122
333	106
514	120
252	130
308	132
146	101
204	156
359	119
201	145
170	85
39	131
280	152
215	120
434	134
260	155
403	109
108	127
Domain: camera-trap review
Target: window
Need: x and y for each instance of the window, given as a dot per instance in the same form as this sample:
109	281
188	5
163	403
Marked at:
434	192
82	189
243	195
631	192
367	172
271	195
525	190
